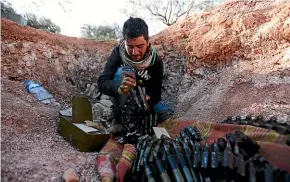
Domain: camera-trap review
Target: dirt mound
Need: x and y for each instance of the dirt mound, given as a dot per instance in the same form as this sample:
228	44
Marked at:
11	31
237	61
64	65
240	29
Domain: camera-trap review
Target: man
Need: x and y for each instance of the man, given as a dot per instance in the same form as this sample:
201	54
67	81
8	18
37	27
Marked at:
133	52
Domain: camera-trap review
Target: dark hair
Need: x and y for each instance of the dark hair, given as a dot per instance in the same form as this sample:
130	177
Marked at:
135	27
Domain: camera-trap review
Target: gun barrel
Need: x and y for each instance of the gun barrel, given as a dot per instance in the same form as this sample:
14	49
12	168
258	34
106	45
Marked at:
142	97
133	92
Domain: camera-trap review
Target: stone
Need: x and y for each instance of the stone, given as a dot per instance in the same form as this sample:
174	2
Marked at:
95	94
70	175
79	169
105	97
11	47
48	54
92	91
106	103
27	44
28	63
57	179
63	52
199	71
100	110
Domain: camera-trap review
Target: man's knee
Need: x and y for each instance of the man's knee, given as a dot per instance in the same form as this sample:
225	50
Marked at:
118	104
164	110
120	100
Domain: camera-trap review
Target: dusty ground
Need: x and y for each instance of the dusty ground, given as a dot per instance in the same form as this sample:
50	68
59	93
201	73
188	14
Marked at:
31	149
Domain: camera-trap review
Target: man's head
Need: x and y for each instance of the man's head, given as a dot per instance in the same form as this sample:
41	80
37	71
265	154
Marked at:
136	36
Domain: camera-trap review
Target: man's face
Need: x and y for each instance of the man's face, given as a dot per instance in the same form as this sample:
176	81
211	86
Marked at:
136	48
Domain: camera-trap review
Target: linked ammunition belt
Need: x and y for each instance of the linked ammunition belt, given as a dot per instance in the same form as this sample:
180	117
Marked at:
188	158
259	121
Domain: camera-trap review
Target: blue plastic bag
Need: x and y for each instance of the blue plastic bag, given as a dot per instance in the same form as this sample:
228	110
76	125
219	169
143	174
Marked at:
37	90
162	106
120	73
164	110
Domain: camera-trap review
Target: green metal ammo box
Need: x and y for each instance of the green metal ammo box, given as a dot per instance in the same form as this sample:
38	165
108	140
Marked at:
81	140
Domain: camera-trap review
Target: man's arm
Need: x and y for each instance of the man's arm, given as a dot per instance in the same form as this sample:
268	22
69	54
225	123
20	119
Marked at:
156	87
106	82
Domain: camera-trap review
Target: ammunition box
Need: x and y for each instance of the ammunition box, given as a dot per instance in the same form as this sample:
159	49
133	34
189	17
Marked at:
78	138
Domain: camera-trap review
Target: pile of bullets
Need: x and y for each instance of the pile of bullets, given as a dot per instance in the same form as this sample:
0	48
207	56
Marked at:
185	158
139	97
136	118
140	126
259	121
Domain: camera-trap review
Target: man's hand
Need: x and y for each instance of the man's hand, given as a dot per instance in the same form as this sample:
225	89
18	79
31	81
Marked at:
127	83
147	98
